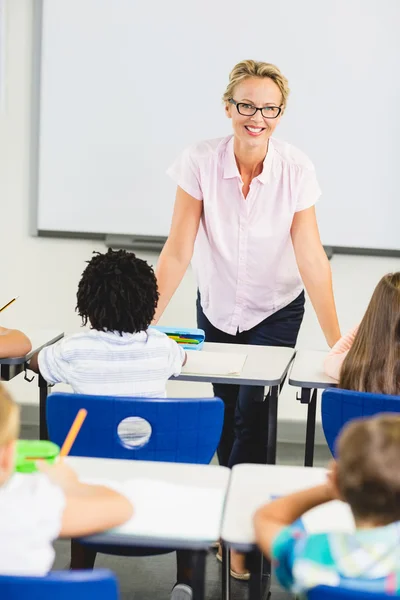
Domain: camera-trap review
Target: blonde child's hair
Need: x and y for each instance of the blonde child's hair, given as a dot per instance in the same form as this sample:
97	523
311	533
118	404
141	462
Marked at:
368	468
9	417
248	69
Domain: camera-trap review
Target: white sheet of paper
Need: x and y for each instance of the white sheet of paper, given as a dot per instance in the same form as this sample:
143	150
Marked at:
333	516
213	363
170	510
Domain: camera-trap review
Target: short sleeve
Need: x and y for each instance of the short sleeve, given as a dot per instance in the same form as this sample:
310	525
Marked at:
309	191
283	554
53	367
176	358
48	502
186	173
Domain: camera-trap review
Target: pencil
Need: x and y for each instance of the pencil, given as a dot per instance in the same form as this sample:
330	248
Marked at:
73	432
8	303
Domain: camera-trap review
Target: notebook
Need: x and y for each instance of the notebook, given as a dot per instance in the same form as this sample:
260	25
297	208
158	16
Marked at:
214	363
170	510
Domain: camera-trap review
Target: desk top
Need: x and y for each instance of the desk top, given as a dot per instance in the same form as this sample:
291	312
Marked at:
264	366
176	505
39	339
308	371
252	486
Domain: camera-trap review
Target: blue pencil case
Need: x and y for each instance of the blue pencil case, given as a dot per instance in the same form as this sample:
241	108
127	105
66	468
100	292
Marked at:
184	337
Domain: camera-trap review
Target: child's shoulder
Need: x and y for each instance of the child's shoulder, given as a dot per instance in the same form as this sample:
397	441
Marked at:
29	490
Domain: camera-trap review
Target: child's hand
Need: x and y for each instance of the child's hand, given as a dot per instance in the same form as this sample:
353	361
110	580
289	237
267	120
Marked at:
60	474
331	482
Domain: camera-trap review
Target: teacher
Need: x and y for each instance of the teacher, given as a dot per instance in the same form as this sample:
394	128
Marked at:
244	214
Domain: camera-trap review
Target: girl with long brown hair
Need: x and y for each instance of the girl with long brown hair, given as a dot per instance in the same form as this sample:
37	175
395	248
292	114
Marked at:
367	359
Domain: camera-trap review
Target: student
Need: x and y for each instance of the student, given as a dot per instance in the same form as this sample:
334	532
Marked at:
35	509
119	355
368	358
367	477
13	343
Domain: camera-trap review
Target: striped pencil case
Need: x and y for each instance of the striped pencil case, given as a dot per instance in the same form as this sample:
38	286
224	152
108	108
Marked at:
189	339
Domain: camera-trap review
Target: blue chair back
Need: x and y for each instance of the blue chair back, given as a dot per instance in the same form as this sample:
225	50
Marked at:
182	430
100	584
340	406
323	592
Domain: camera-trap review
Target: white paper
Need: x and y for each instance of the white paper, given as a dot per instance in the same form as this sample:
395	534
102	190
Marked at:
333	516
169	510
213	363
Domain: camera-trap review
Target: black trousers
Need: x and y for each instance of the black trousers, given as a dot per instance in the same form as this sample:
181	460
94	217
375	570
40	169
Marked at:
244	435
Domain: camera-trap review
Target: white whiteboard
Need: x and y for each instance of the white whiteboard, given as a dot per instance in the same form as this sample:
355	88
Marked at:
126	85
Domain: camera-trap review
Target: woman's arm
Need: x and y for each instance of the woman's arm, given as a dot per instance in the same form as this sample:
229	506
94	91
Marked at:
178	250
315	271
334	360
13	343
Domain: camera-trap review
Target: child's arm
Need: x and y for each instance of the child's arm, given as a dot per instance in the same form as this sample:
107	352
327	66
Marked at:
333	362
278	514
13	343
88	508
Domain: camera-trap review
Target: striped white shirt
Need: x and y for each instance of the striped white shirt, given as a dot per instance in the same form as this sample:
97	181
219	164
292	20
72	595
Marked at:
106	363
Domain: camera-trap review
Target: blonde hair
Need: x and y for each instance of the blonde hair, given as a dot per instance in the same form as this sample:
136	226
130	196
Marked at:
253	68
368	468
9	417
373	362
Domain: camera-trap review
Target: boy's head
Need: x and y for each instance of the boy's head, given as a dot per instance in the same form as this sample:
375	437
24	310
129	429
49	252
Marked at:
9	431
368	468
117	292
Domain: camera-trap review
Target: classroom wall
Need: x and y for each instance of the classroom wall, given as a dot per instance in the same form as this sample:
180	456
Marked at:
45	272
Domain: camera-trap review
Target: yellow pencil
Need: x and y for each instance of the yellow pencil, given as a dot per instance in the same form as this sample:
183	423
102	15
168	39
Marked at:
8	303
73	432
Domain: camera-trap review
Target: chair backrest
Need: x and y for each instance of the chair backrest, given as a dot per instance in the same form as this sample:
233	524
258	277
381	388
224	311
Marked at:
99	584
181	430
323	592
340	406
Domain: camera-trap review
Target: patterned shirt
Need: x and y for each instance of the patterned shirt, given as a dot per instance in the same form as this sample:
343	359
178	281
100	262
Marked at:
367	559
107	363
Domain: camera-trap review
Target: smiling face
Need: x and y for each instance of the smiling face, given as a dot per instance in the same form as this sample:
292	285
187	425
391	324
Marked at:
254	131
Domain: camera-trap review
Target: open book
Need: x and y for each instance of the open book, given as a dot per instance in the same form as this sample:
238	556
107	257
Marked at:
213	363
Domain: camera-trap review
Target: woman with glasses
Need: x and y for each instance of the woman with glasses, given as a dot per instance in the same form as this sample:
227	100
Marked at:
244	214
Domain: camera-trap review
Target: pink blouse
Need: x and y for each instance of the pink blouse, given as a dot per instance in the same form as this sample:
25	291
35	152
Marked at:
243	259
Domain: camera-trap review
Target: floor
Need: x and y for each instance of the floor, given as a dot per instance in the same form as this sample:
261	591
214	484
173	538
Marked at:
152	578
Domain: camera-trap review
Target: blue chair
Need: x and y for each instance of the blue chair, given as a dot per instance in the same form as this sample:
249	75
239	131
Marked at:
100	584
323	592
181	430
340	406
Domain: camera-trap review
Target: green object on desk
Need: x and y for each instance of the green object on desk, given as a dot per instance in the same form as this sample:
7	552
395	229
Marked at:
28	451
182	340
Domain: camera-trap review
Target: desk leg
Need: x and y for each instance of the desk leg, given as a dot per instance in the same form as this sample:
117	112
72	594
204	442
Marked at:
310	432
43	391
198	580
254	562
272	424
226	573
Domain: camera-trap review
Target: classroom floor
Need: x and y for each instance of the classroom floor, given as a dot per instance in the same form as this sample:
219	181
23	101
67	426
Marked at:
152	578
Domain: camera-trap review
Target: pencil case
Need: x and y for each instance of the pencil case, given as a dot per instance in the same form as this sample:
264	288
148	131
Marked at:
189	339
28	451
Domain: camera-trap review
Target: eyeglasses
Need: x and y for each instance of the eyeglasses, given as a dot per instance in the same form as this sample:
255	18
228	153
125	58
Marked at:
248	110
